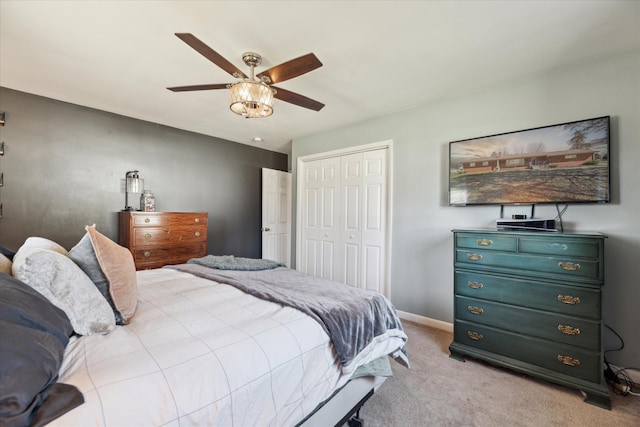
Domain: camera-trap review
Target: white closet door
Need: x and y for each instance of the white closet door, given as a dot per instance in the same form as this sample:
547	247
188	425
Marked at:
374	220
320	218
344	218
350	238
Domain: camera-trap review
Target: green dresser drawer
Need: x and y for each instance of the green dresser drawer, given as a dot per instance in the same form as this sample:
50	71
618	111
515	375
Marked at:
566	299
587	248
556	327
572	268
489	242
558	357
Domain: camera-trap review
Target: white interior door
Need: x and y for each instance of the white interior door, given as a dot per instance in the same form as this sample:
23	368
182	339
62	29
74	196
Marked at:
320	218
276	215
374	220
343	218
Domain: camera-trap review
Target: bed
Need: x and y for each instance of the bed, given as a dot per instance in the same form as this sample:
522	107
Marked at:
191	344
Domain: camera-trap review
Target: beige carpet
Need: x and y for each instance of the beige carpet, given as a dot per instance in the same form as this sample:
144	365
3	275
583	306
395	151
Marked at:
440	391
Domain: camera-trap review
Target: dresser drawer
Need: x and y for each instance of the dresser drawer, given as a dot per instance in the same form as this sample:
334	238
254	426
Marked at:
558	357
586	248
144	236
569	267
566	299
556	327
485	241
173	255
168	219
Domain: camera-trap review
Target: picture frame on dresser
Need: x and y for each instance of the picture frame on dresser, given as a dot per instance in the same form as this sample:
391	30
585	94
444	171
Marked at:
156	239
532	302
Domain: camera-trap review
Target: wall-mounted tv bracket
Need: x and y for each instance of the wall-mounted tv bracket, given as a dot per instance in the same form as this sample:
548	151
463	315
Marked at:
533	209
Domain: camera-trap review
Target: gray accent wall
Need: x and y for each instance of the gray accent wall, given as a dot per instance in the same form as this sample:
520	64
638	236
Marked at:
64	167
422	243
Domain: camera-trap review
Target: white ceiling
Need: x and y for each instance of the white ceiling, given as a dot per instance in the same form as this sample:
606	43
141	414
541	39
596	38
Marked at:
379	56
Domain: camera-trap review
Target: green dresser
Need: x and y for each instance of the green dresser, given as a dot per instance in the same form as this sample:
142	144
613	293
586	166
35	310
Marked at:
532	302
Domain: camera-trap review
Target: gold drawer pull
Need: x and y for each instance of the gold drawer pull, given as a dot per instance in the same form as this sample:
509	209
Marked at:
147	220
569	330
197	220
568	299
569	266
147	236
475	310
484	242
197	233
567	360
475	336
474	257
475	285
147	254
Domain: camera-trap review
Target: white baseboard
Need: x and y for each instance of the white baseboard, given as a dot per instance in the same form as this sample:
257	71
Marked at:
427	321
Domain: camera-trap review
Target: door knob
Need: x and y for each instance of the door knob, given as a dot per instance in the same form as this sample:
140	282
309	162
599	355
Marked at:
266	229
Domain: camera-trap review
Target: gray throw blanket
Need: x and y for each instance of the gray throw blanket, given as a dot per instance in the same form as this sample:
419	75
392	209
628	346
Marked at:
353	318
229	262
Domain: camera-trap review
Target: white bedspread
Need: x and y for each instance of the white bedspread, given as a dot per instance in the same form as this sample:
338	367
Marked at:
202	353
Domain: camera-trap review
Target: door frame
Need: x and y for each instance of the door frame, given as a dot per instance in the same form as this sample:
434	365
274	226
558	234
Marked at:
388	144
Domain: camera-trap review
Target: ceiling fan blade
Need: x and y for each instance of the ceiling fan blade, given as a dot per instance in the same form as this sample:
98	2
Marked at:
296	99
290	69
198	87
210	54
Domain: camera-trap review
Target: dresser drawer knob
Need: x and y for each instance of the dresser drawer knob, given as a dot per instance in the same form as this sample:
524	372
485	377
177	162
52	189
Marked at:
569	361
569	330
197	219
475	336
475	285
147	254
197	233
147	220
484	242
569	266
568	299
475	310
147	236
474	257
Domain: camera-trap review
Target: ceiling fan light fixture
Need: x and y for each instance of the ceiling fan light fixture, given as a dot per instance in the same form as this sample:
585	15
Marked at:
251	99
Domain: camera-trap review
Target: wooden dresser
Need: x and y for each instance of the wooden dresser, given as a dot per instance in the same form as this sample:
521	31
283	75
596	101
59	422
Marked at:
532	302
156	239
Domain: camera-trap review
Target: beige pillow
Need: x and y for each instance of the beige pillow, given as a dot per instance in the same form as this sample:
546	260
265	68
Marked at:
118	267
66	286
5	265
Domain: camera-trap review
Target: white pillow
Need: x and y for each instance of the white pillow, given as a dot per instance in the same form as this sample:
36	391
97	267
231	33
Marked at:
63	283
42	243
30	245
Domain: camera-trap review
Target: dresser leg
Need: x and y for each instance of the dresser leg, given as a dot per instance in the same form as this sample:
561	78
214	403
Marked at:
597	399
455	355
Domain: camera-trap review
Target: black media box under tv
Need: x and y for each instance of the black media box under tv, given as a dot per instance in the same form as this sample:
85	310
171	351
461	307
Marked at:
526	224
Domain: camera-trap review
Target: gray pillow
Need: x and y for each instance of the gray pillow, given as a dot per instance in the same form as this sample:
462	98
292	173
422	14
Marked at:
66	286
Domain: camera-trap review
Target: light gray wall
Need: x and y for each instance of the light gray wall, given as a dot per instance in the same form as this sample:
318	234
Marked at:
422	246
64	167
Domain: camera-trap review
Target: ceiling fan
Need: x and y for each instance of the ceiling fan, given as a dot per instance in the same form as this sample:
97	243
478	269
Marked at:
252	96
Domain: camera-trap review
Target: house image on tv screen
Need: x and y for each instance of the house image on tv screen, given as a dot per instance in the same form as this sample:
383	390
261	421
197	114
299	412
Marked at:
542	160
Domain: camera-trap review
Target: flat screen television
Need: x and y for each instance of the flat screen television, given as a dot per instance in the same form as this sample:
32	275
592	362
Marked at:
556	164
